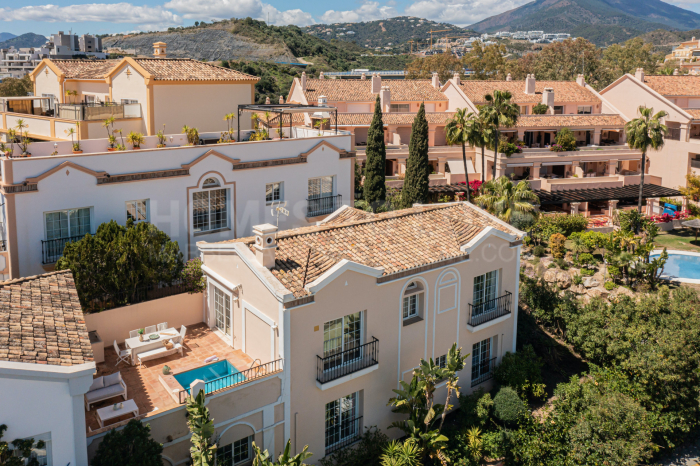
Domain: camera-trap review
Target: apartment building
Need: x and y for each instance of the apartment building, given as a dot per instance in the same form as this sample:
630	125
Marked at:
144	94
685	51
192	193
400	101
352	305
679	97
16	63
46	366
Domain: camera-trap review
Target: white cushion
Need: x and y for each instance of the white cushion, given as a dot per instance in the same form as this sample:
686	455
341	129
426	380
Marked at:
97	384
112	379
104	393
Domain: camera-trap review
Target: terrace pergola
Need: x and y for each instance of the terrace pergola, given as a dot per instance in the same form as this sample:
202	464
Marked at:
284	109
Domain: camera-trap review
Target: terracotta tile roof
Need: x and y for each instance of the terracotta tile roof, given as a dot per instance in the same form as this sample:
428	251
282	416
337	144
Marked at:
364	119
186	69
360	90
674	85
694	112
396	241
349	214
41	321
85	69
564	91
570	121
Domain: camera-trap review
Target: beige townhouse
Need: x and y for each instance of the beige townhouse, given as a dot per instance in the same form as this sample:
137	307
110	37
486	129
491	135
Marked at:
352	304
679	97
144	94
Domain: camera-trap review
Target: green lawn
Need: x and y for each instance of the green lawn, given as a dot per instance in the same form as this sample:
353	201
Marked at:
678	239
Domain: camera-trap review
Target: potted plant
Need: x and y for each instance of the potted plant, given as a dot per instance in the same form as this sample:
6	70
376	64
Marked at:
166	370
72	132
4	150
108	124
161	137
192	135
141	332
135	139
121	136
24	140
11	136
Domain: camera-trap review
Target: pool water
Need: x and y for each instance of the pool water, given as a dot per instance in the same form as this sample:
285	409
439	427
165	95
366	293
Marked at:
216	376
681	266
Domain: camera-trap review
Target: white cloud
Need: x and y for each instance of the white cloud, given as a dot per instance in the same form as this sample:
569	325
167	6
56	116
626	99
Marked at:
154	17
284	18
224	9
460	12
368	11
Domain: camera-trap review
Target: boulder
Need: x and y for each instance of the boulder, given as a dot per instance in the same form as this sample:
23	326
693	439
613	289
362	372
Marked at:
578	289
622	291
563	279
590	282
599	276
598	291
545	261
529	270
550	275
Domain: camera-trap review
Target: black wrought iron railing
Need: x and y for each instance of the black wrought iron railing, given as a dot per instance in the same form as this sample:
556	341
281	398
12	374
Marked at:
483	371
52	249
342	362
133	296
489	310
340	434
323	205
232	380
673	134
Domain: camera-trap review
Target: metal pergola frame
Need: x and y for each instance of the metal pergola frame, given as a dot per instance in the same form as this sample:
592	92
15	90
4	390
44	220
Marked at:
284	109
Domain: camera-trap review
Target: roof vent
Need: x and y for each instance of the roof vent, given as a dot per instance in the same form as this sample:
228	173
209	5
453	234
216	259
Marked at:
509	77
364	76
376	83
581	80
159	50
530	84
639	74
265	244
435	81
303	81
456	80
321	76
675	72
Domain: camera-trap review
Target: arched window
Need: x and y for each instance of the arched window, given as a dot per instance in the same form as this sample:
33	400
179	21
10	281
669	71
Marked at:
211	183
413	300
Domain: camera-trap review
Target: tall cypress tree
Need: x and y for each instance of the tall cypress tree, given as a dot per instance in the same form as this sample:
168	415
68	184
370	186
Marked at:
415	184
375	186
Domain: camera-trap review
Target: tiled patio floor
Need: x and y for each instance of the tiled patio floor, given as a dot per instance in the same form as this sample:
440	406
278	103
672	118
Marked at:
143	385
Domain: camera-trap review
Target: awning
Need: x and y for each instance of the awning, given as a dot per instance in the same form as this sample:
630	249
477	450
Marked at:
622	193
550	164
515	165
457	167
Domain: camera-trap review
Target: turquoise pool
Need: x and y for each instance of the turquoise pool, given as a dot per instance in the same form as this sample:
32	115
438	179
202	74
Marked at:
216	376
683	266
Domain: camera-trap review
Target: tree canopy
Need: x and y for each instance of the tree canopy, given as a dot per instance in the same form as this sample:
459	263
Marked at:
131	446
374	188
415	185
13	87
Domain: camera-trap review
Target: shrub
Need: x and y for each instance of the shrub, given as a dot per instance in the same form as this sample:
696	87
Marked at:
366	452
587	272
475	409
552	266
556	244
527	241
566	139
130	446
609	286
578	280
507	405
193	277
564	224
521	370
540	109
539	251
561	263
587	260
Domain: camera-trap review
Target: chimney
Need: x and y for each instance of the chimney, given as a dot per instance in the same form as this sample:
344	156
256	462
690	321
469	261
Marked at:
159	50
364	76
436	81
303	81
639	74
322	101
385	99
675	72
530	84
281	99
376	83
320	75
267	100
265	244
456	80
548	97
581	80
509	77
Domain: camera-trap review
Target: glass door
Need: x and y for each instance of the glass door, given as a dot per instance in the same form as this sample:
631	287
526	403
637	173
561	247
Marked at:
481	358
340	420
342	340
485	290
222	309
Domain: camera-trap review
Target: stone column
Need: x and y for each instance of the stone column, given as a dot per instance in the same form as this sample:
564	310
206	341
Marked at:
612	206
612	166
501	168
577	169
521	135
685	130
651	203
441	164
402	165
574	207
583	209
596	136
431	137
684	203
535	173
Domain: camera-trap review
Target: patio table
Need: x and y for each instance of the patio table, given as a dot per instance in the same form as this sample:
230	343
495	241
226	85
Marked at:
137	346
108	412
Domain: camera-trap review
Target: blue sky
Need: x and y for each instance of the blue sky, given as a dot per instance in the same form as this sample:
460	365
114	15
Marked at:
116	16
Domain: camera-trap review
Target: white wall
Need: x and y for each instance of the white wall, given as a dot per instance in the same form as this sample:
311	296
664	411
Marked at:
47	83
44	401
131	86
71	188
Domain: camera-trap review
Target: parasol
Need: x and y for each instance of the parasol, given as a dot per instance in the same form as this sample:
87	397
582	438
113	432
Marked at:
694	224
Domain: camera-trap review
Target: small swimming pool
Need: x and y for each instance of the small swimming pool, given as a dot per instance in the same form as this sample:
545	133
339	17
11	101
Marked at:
216	376
681	266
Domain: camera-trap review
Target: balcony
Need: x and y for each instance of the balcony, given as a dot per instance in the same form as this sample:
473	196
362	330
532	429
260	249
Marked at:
483	371
489	311
98	111
339	436
52	250
350	363
323	205
673	134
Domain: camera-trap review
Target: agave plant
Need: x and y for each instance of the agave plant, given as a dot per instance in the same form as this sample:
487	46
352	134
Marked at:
135	139
262	458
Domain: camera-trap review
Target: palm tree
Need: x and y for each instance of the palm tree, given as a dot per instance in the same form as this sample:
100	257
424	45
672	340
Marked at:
457	132
499	111
479	132
502	199
643	133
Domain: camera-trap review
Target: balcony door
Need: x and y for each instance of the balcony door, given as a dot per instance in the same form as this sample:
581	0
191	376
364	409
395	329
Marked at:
222	310
67	223
342	339
481	359
485	291
341	425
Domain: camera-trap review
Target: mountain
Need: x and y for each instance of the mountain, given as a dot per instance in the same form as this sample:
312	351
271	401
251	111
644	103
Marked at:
391	32
25	40
6	35
601	21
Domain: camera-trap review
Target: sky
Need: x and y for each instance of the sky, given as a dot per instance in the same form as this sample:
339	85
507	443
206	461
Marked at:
119	16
